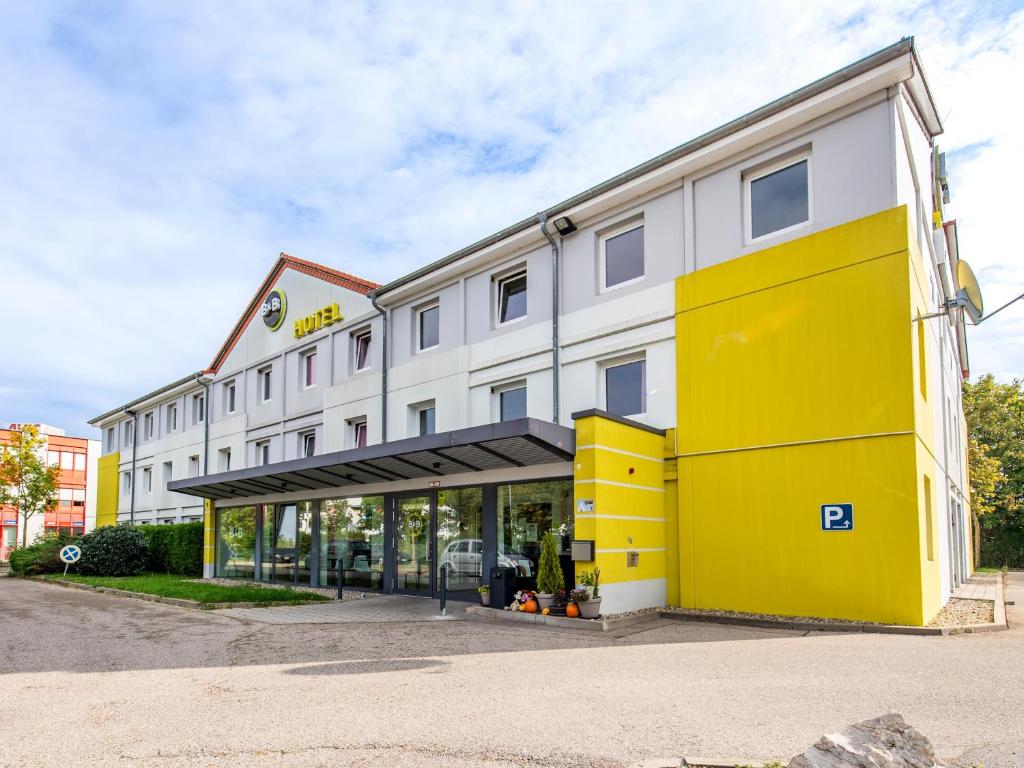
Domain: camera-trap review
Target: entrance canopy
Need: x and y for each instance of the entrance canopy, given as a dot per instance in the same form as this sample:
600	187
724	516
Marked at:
504	445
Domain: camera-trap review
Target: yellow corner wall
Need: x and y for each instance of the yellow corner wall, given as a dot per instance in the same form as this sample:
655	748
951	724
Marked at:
107	489
209	538
796	375
621	469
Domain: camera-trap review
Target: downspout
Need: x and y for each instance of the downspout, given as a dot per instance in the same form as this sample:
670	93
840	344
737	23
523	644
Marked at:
543	219
372	296
201	378
135	443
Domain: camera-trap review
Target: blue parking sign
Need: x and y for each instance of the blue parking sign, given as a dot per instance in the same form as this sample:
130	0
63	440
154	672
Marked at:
837	517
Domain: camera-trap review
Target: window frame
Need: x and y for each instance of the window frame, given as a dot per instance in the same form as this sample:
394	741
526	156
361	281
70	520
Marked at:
262	446
195	461
359	425
305	356
225	459
172	410
503	389
230	396
502	279
602	254
148	420
147	479
616	362
760	172
264	384
198	407
304	438
420	411
420	311
357	336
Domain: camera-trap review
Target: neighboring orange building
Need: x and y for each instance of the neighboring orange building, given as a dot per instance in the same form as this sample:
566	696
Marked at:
75	508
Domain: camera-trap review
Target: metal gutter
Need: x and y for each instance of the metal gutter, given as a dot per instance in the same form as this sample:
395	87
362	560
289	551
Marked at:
902	48
155	393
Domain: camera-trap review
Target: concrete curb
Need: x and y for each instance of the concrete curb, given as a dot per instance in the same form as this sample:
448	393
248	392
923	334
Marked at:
695	762
175	601
561	622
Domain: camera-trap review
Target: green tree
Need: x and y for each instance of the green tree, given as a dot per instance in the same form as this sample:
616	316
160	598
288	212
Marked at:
995	420
550	578
26	483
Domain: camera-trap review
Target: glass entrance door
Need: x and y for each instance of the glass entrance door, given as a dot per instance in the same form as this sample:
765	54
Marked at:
287	542
414	545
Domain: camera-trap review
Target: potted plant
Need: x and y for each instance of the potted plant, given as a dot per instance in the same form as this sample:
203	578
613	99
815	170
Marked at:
525	600
591	582
549	572
576	596
485	594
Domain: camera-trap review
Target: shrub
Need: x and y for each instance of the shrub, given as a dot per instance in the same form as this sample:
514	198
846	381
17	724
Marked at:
549	571
175	548
41	556
113	550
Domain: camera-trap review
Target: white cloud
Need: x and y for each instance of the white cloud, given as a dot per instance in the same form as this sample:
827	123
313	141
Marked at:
156	159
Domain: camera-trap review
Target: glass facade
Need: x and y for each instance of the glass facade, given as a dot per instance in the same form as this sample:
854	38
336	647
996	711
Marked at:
526	511
401	542
352	537
236	542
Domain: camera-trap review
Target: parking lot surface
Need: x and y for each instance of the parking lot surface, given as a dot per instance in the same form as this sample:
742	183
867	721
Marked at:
90	679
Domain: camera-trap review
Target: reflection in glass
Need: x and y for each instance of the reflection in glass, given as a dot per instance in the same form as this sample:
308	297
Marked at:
460	537
352	537
412	544
304	558
267	553
236	542
526	511
779	200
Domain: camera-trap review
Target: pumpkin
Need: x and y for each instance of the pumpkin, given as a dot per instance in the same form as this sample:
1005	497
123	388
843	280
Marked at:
530	606
572	610
545	612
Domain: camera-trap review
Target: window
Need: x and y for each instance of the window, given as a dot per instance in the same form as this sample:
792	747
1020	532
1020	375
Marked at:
229	397
172	417
309	369
263	379
263	453
428	323
129	433
147	426
78	497
64	497
110	439
198	408
126	483
512	403
778	198
307	444
626	388
193	466
67	460
225	459
53	458
512	298
361	351
147	479
622	256
426	420
79	462
168	471
358	433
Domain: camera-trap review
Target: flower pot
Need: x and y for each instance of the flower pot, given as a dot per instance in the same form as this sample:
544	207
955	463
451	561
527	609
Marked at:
590	609
545	601
485	598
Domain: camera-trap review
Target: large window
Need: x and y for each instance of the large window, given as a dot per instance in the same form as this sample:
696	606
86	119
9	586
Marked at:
626	388
460	542
511	298
622	256
352	538
778	198
428	323
526	511
512	403
236	542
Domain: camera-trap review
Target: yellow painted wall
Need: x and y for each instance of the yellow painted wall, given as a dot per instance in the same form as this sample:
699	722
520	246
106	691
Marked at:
209	538
796	376
107	489
629	507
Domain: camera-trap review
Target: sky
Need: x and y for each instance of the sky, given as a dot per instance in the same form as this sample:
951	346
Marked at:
155	158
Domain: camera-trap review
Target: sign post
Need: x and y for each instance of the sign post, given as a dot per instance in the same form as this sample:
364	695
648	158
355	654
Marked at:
70	554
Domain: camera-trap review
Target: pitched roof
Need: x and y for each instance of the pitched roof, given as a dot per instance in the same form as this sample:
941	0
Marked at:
286	261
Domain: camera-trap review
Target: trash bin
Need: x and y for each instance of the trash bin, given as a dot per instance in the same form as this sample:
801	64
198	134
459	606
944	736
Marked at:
503	586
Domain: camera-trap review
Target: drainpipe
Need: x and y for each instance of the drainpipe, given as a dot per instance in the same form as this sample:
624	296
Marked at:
372	296
543	219
205	381
135	443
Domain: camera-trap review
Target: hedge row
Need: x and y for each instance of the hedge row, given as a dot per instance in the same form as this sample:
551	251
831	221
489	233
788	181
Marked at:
121	550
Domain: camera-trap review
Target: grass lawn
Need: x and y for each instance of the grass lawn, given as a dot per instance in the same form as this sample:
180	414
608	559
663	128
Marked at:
169	585
986	569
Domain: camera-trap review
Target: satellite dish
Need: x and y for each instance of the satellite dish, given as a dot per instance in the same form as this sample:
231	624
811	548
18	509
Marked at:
968	295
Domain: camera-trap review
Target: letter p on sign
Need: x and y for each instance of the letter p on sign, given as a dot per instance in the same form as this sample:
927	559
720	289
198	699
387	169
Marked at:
837	517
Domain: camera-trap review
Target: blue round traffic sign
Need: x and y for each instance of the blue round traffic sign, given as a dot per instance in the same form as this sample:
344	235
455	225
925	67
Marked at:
70	553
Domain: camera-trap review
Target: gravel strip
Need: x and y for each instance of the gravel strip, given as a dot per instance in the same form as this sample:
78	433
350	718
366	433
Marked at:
959	612
348	594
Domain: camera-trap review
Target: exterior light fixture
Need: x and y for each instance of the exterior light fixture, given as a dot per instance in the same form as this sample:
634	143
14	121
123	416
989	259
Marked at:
564	225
